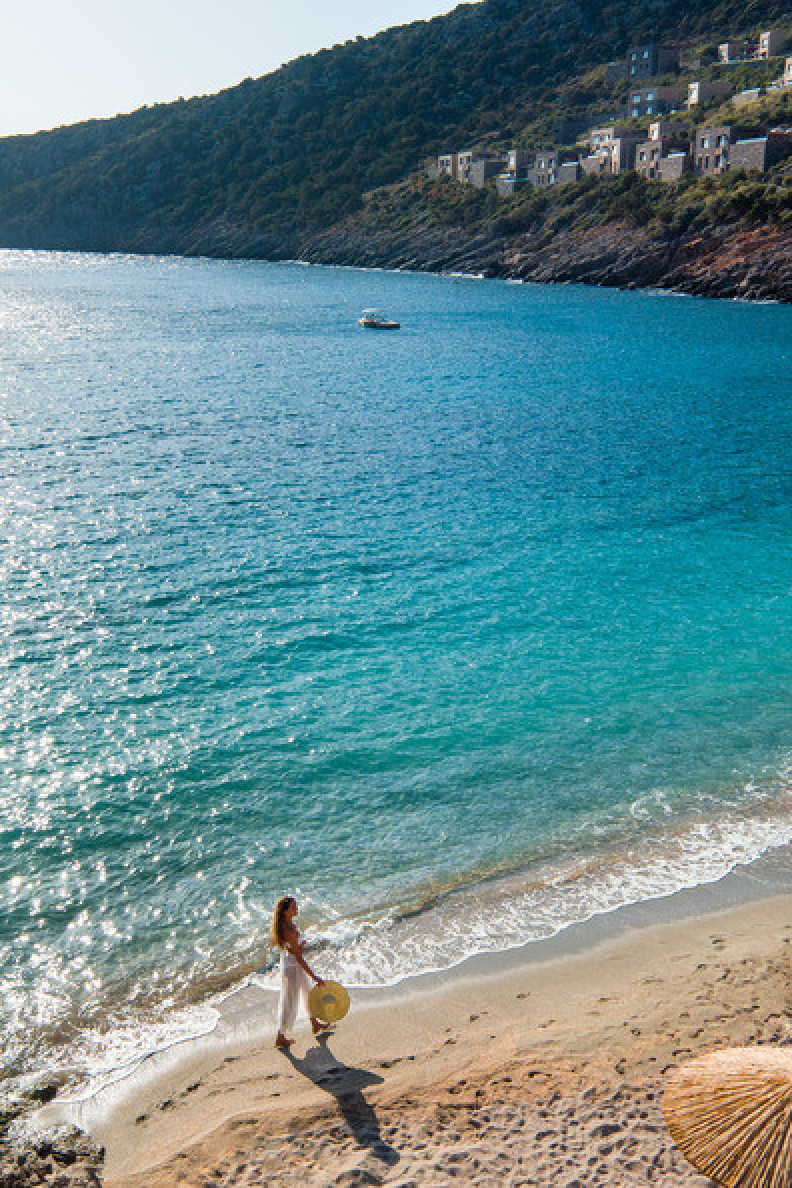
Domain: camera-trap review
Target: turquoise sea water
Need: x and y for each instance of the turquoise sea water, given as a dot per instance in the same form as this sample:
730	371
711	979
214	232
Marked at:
463	633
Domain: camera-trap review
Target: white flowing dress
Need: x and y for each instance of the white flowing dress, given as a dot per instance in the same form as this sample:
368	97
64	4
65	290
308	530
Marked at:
295	985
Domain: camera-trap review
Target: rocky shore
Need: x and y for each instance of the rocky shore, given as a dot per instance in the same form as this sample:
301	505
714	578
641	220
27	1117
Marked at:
59	1155
734	260
64	1157
737	259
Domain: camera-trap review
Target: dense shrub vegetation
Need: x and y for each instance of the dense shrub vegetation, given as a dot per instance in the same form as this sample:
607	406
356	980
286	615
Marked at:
664	209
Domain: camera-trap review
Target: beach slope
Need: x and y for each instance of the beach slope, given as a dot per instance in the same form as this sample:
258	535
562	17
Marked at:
546	1073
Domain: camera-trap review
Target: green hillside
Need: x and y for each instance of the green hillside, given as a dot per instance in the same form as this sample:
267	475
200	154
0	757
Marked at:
254	169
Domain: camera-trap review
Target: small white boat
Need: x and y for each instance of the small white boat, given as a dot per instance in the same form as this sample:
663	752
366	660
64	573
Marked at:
375	319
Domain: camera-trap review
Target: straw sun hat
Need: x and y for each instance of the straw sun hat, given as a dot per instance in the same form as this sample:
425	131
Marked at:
329	1001
730	1113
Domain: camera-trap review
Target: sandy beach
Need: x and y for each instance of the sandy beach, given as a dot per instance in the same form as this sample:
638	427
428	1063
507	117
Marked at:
514	1070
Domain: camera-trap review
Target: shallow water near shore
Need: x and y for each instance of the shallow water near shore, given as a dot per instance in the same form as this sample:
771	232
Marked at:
462	633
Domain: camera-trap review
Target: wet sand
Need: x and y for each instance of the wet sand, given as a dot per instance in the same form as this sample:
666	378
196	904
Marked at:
504	1071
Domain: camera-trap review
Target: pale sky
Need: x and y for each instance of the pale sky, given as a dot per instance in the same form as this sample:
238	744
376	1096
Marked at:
63	61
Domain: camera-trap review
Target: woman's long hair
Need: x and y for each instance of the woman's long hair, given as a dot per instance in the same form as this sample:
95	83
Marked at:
281	907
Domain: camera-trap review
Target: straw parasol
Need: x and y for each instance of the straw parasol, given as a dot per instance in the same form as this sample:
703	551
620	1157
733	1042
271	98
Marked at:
731	1115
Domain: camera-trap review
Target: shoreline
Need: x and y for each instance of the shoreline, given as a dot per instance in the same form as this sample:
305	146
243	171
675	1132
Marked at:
745	273
133	1045
732	260
431	1029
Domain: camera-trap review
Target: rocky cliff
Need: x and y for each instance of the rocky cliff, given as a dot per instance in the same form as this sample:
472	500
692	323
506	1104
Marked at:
729	260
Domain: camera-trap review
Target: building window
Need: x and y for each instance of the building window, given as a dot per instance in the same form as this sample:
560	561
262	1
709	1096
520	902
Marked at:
650	95
646	53
705	142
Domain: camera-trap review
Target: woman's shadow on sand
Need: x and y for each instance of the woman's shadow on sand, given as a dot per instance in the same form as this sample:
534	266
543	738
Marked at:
346	1085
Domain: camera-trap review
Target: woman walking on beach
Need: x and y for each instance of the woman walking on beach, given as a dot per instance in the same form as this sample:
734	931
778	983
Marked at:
296	974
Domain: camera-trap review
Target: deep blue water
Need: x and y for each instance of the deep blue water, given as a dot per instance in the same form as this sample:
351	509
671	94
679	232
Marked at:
463	632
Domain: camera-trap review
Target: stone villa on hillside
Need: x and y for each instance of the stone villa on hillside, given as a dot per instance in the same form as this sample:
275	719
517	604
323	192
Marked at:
644	61
666	152
545	167
652	101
